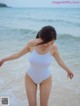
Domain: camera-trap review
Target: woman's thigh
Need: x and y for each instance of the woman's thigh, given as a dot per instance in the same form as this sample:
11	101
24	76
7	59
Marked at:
45	89
31	90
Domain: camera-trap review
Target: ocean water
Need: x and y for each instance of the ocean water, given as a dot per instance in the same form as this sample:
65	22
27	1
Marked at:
18	25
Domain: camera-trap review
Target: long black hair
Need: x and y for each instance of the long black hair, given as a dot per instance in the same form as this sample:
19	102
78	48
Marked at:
47	34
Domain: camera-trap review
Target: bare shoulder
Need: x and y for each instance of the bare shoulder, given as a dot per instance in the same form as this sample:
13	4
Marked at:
32	42
54	48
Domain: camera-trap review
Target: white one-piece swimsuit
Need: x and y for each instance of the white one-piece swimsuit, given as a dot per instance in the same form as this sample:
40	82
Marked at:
39	66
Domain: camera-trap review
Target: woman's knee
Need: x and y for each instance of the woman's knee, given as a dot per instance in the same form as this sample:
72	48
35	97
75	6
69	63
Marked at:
32	104
43	104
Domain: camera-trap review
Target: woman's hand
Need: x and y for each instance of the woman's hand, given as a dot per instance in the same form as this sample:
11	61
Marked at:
70	74
1	62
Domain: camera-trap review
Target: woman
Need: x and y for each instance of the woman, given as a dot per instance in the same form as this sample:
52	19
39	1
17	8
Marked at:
42	49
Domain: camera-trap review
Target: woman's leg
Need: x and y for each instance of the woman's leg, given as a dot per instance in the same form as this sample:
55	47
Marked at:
45	89
31	90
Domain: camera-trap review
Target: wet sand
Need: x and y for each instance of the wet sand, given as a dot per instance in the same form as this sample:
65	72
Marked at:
15	89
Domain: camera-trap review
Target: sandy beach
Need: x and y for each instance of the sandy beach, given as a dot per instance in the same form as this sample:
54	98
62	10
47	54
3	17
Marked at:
14	88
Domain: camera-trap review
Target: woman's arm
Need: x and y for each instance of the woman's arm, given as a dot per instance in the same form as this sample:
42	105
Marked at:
60	61
17	55
25	50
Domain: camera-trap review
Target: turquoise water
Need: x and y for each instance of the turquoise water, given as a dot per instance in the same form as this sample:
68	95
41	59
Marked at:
18	25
